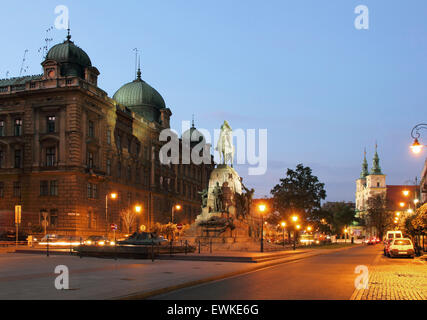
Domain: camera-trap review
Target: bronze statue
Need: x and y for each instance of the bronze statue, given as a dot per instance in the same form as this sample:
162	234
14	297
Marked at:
204	196
217	192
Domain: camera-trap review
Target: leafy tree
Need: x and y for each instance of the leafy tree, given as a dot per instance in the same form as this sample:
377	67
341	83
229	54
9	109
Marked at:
339	215
379	216
301	193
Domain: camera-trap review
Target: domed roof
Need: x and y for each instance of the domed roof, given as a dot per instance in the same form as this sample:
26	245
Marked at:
68	52
191	135
137	93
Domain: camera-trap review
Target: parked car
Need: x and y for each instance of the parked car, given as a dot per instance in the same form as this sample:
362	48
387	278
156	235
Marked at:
98	241
401	248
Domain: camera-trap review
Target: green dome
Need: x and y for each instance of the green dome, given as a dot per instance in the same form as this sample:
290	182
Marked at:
141	98
69	52
73	59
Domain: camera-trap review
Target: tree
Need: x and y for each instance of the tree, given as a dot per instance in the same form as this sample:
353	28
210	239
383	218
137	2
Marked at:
128	218
299	193
379	216
339	215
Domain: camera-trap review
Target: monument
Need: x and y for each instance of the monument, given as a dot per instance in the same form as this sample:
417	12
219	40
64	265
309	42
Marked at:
225	216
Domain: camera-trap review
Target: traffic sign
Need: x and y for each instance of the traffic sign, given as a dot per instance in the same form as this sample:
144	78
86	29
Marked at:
179	227
18	210
113	227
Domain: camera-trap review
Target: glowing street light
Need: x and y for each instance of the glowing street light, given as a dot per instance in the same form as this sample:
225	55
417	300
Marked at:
309	229
417	147
138	209
410	211
295	218
283	224
176	207
402	204
405	193
262	208
113	196
397	213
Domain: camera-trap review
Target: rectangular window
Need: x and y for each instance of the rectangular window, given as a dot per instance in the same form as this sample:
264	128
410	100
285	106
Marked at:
18	127
54	188
50	157
18	158
89	191
119	142
53	218
90	160
91	131
109	137
17	189
1	189
108	167
44	188
1	159
51	124
94	191
2	129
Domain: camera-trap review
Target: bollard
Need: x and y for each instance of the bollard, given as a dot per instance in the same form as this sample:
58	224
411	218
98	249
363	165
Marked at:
186	244
210	246
199	246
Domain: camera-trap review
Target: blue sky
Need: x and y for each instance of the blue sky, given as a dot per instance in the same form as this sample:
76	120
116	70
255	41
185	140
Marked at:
323	89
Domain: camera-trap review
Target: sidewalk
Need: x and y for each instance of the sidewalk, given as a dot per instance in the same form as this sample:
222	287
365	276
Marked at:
402	280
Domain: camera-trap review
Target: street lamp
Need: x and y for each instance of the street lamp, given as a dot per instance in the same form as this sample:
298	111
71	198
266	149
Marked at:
297	227
405	193
176	207
417	147
262	208
345	235
138	209
113	196
283	228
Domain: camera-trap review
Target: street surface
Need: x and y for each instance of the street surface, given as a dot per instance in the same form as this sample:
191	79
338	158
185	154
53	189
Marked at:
329	276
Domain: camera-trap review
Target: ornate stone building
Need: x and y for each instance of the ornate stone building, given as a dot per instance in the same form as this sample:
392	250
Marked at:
65	145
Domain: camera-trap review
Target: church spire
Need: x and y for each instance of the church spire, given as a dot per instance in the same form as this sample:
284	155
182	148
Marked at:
365	171
376	169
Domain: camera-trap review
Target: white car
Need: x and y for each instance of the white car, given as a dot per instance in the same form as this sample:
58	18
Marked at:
401	247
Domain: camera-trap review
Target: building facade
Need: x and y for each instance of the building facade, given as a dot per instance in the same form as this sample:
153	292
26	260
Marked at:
65	145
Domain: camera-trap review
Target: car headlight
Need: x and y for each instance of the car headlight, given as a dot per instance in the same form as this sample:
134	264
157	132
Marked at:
101	243
88	242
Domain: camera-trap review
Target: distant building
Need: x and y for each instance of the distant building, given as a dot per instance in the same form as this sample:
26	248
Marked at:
372	183
65	145
423	184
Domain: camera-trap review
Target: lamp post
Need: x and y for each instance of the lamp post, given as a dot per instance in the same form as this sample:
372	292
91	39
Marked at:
176	207
345	234
262	208
295	220
417	147
283	228
113	197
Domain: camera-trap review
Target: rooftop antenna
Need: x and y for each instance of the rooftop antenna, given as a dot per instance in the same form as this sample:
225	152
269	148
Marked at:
23	62
136	62
69	31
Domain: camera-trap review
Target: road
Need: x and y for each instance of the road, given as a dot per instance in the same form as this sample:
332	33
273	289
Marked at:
326	277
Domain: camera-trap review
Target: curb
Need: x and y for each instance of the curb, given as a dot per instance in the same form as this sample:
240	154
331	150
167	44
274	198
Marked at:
262	265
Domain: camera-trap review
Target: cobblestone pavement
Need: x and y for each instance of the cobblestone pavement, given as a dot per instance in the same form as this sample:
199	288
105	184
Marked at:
395	279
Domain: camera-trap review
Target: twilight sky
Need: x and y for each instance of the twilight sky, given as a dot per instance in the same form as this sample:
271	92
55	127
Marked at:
300	69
